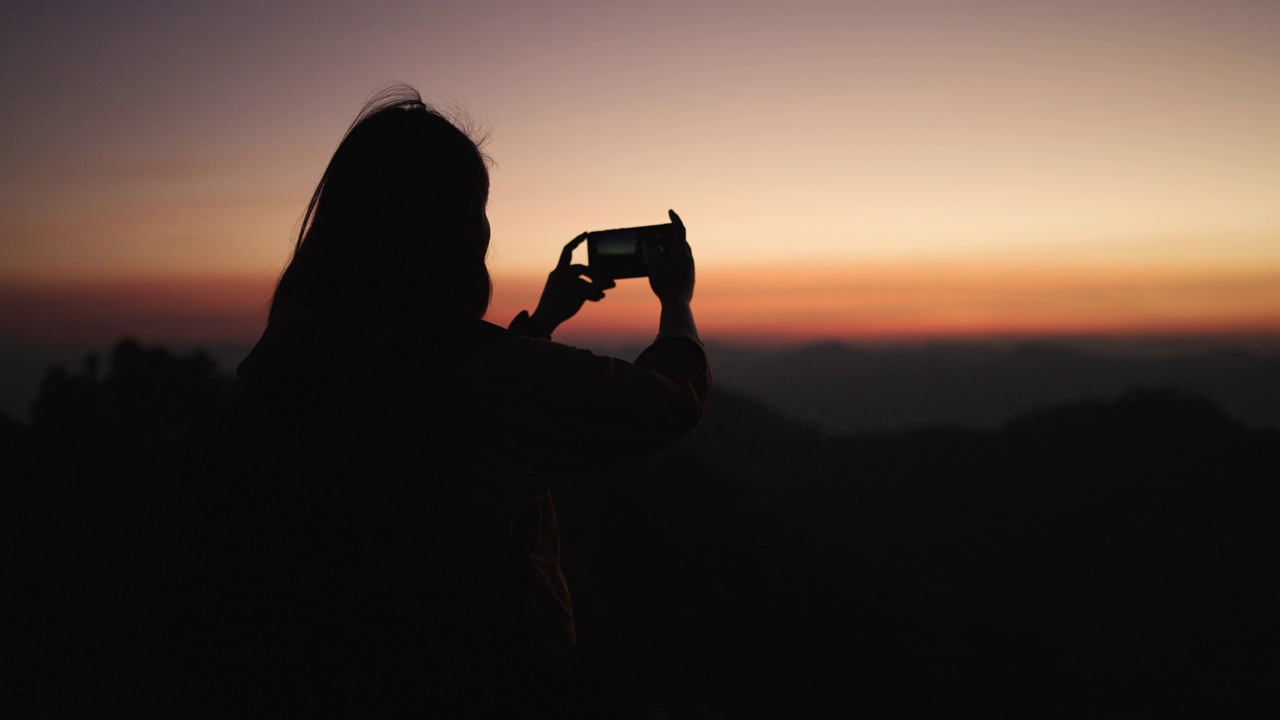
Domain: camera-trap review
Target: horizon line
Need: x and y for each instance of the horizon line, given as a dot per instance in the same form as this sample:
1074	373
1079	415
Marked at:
870	305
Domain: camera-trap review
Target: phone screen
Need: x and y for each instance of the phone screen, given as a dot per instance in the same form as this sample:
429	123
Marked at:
623	253
617	243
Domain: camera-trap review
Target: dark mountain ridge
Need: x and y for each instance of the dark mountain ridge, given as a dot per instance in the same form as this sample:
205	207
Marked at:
843	388
1099	558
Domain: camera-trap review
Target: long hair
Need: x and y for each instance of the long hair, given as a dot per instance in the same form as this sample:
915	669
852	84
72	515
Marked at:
397	219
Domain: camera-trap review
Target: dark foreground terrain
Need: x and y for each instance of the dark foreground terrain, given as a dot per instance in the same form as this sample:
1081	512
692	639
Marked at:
1107	559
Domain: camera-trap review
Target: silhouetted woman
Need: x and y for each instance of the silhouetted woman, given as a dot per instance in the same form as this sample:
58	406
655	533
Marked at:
397	450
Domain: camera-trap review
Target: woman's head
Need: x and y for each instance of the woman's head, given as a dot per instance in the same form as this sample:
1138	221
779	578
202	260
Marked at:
398	219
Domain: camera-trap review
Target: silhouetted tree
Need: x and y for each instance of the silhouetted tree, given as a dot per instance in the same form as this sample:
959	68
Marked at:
149	396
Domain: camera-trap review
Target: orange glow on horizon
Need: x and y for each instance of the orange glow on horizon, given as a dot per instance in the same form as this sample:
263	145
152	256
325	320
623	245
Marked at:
870	302
950	301
204	310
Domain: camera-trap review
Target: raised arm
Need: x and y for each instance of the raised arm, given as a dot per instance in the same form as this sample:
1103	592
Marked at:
568	287
573	410
672	277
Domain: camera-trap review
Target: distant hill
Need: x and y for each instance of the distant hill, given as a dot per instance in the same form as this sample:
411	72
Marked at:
844	388
1095	559
838	387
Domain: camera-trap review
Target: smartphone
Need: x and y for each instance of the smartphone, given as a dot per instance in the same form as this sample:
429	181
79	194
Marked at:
623	253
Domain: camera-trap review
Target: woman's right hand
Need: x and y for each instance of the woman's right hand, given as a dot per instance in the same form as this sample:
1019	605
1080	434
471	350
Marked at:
671	275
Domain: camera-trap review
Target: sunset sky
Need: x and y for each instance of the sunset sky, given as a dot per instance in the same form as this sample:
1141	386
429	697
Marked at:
847	170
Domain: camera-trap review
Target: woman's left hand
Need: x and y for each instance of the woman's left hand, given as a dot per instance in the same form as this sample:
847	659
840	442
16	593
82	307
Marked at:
568	287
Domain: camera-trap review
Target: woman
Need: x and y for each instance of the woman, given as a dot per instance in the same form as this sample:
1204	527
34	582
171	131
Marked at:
400	451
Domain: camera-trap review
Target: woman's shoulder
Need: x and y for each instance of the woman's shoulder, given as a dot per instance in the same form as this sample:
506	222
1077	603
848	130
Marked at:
514	353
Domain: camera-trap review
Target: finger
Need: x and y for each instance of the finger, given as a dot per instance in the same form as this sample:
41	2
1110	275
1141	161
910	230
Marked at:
680	245
598	279
569	272
587	291
653	250
679	225
566	255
